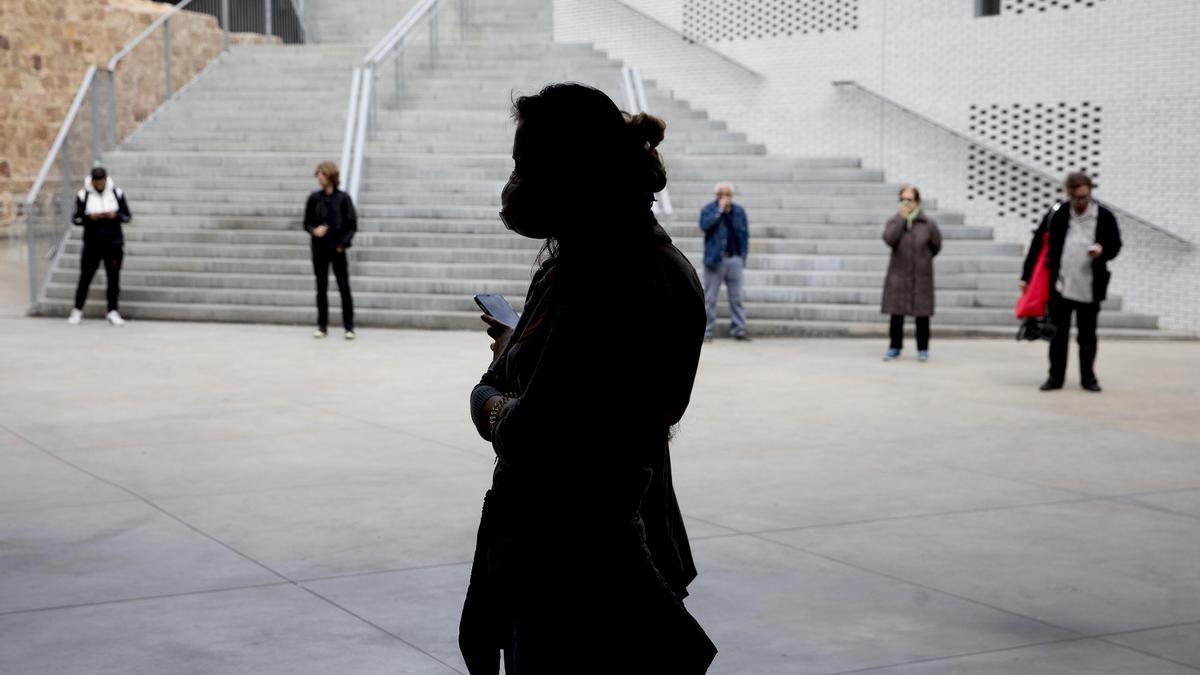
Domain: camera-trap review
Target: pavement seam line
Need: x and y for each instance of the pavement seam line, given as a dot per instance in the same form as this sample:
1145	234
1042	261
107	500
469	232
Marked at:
118	601
1133	501
1083	638
915	516
375	626
152	505
398	570
285	580
1150	654
964	655
917	584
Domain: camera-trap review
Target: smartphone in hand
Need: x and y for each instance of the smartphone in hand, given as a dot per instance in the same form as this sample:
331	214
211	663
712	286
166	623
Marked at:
497	307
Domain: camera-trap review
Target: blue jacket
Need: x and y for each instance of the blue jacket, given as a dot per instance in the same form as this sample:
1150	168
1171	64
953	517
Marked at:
716	233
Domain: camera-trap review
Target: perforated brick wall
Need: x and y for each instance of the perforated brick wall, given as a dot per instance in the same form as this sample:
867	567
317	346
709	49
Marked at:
1058	137
729	20
1133	63
1023	6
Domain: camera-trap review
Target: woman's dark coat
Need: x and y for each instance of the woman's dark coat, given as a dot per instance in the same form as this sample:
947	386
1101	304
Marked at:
908	288
582	559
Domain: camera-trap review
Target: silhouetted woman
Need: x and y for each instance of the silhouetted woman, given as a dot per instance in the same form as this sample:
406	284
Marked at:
582	560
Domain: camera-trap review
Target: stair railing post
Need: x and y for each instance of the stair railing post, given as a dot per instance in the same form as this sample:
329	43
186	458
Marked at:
167	58
31	243
66	176
396	80
433	36
225	25
96	131
112	108
267	21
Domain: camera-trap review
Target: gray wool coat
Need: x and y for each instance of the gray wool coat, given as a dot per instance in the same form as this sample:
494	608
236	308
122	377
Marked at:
908	288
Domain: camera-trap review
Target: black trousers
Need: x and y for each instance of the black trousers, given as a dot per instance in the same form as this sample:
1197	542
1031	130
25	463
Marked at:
1085	313
93	254
322	257
897	332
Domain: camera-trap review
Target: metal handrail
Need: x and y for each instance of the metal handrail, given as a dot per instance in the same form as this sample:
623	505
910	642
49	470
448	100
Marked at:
110	69
112	63
635	98
56	148
351	118
364	111
61	138
689	39
360	112
389	41
1125	213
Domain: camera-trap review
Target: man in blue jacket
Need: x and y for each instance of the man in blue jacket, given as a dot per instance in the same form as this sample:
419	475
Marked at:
726	243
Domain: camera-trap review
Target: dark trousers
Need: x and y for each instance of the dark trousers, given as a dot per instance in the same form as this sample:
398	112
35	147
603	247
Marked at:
897	332
93	254
1085	320
322	257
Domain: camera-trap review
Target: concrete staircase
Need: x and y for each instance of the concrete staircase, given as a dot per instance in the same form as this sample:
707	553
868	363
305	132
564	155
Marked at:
217	183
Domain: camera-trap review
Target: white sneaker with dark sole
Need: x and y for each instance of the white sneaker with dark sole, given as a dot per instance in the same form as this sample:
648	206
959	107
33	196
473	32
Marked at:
114	317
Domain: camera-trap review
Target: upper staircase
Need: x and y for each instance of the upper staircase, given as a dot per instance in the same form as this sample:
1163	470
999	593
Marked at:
218	178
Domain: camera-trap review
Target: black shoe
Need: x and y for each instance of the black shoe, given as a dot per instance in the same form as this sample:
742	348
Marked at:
708	338
1092	386
1051	385
742	338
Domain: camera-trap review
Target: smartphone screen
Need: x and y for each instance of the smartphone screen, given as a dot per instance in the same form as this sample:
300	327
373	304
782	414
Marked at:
497	307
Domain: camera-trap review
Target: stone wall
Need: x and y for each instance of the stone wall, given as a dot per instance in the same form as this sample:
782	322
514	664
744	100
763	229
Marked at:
45	49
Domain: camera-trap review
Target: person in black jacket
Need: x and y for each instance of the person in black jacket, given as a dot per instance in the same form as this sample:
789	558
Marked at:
582	560
100	208
1083	238
330	218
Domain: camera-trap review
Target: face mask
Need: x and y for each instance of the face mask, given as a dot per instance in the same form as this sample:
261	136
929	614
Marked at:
525	209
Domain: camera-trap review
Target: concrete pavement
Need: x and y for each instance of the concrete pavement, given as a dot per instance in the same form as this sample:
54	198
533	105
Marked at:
208	498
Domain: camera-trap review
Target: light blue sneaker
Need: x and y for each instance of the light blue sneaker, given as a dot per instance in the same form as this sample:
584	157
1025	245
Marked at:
923	356
891	355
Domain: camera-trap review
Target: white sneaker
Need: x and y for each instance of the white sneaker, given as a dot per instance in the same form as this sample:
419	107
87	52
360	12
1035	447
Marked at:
350	335
114	317
75	318
319	334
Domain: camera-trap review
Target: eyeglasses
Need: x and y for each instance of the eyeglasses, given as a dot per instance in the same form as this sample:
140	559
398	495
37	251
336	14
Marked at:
724	194
908	201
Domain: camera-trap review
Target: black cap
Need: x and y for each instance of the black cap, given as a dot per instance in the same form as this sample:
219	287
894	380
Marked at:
99	173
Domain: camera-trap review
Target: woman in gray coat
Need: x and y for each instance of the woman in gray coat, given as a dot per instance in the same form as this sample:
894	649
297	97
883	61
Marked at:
908	289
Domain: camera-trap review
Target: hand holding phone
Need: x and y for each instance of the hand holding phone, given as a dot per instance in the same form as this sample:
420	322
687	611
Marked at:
496	306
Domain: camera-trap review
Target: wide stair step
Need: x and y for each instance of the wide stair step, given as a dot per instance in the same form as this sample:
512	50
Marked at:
218	178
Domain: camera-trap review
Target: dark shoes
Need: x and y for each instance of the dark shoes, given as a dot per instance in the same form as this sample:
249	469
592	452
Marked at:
1052	384
742	338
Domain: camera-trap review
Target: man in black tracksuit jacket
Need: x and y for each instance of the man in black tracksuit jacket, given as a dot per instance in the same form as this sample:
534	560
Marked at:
330	218
100	208
1084	236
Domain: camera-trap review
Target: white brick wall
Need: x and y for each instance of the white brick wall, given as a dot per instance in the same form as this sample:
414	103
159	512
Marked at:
1135	59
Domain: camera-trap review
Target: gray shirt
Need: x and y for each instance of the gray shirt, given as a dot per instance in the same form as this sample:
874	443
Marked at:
1075	271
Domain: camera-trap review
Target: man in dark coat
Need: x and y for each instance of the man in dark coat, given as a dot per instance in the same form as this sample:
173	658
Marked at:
330	218
1083	238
